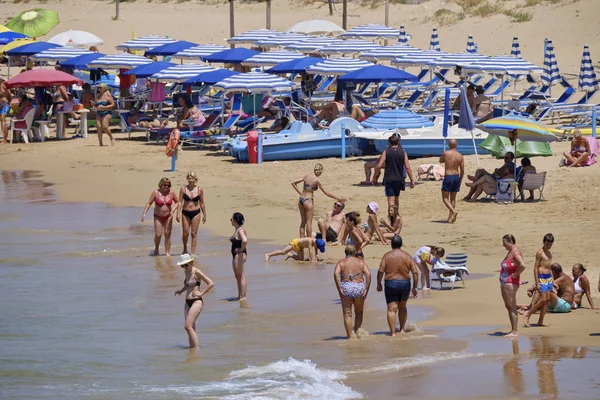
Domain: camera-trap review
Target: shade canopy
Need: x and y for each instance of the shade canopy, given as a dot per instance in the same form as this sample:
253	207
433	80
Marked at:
503	65
376	74
372	31
170	49
389	52
419	58
59	54
197	52
498	146
231	56
282	40
123	60
210	77
526	128
349	47
30	49
144	71
34	23
41	77
338	66
73	38
253	36
312	45
17	43
254	82
396	118
9	36
551	73
180	73
454	60
588	81
317	27
80	62
273	57
145	42
294	66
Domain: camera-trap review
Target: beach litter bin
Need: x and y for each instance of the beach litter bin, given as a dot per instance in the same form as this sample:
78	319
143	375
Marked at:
252	147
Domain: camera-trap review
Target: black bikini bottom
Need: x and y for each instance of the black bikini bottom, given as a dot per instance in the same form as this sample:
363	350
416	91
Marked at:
191	302
190	214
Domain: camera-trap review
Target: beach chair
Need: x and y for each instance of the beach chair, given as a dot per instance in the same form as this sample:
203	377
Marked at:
533	182
127	127
26	133
410	101
450	271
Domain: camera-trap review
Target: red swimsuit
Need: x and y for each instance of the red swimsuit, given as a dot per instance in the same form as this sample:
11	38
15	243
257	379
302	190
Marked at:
160	202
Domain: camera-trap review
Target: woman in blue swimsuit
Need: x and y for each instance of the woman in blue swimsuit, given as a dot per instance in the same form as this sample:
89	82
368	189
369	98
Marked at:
192	205
104	106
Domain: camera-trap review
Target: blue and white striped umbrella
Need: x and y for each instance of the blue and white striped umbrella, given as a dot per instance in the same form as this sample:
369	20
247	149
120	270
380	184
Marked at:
403	37
338	66
123	60
434	43
396	118
59	54
515	49
454	60
282	40
312	45
255	82
145	42
419	58
349	47
180	73
372	31
253	36
200	51
471	45
503	65
588	82
551	74
389	52
273	57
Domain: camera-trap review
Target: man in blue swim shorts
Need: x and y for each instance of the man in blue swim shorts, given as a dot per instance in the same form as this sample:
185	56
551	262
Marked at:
397	266
454	170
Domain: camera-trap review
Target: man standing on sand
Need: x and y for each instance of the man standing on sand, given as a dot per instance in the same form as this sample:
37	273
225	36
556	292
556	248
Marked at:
454	170
395	162
562	300
397	265
5	99
542	275
334	223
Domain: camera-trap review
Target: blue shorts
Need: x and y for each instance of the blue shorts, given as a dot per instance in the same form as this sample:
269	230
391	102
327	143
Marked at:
545	281
451	183
396	290
4	108
393	188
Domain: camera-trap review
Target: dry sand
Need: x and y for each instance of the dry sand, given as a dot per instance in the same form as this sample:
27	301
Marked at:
125	174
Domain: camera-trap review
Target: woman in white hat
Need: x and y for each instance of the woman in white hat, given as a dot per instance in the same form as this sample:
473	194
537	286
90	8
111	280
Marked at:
193	299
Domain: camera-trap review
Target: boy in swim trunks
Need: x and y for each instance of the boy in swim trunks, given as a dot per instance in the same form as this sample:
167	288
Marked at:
298	246
542	274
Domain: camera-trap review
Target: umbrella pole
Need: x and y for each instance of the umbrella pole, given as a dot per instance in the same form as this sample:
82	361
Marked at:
502	94
377	96
474	147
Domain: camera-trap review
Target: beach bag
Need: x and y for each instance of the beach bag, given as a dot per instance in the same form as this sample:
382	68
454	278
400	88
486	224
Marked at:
504	193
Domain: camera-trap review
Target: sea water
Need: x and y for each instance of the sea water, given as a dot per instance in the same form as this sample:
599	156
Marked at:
86	312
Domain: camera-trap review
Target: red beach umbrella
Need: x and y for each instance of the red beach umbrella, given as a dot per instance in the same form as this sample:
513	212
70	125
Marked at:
42	78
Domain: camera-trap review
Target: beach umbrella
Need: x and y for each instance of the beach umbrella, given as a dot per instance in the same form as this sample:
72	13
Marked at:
419	58
41	77
252	36
526	129
170	49
349	47
389	52
231	56
312	45
588	82
434	42
504	65
282	40
372	31
119	61
551	74
377	74
454	60
80	62
29	49
471	45
465	118
59	54
515	49
397	117
273	57
4	29
316	27
403	37
254	82
294	66
76	39
210	77
499	145
17	43
180	73
200	51
9	36
145	43
34	23
147	70
338	66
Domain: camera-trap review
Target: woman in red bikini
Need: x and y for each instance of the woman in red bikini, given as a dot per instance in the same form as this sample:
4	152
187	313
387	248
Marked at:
510	278
165	204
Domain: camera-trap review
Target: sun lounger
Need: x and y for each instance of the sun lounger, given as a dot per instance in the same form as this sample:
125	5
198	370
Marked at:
450	271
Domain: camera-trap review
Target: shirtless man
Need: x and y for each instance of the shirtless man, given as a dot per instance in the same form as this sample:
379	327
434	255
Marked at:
397	265
333	224
562	300
5	99
454	170
542	275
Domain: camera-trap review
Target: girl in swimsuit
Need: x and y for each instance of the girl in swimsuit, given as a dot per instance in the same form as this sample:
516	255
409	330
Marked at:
239	253
511	268
354	234
306	202
580	151
193	299
191	205
395	226
104	105
582	286
163	199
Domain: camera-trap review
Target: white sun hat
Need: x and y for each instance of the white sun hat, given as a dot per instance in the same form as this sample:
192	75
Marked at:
185	259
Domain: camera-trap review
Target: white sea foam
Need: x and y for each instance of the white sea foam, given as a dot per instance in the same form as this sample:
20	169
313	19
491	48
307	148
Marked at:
411	362
279	380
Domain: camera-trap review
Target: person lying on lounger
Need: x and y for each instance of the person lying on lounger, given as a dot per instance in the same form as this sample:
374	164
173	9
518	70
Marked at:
485	181
138	119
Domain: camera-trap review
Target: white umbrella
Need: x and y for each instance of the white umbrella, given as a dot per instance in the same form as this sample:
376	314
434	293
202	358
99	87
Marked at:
317	27
73	38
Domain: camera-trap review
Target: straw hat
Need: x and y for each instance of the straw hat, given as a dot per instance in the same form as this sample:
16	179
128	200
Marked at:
185	259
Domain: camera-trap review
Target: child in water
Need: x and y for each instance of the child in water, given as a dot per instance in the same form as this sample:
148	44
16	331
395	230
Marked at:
427	255
298	246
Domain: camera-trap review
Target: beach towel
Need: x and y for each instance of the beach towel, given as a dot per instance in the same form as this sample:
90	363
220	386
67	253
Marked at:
430	172
593	149
157	91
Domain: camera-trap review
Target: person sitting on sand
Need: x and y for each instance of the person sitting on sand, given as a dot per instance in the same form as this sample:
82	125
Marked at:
298	245
333	224
524	169
353	234
395	226
373	224
542	276
580	151
353	280
484	181
424	256
582	286
562	300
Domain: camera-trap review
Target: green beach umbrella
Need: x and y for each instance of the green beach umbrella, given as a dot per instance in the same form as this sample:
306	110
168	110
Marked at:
34	23
499	145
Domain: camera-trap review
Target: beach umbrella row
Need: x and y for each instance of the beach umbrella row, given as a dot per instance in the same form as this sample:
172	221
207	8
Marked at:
349	46
123	60
210	77
313	45
503	65
372	31
81	62
180	73
200	51
147	70
338	66
389	52
453	60
144	43
282	40
295	66
419	58
231	56
273	57
170	49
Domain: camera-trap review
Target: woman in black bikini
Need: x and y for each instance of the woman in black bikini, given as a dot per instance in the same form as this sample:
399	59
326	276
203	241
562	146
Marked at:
239	240
163	199
192	204
193	299
306	202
